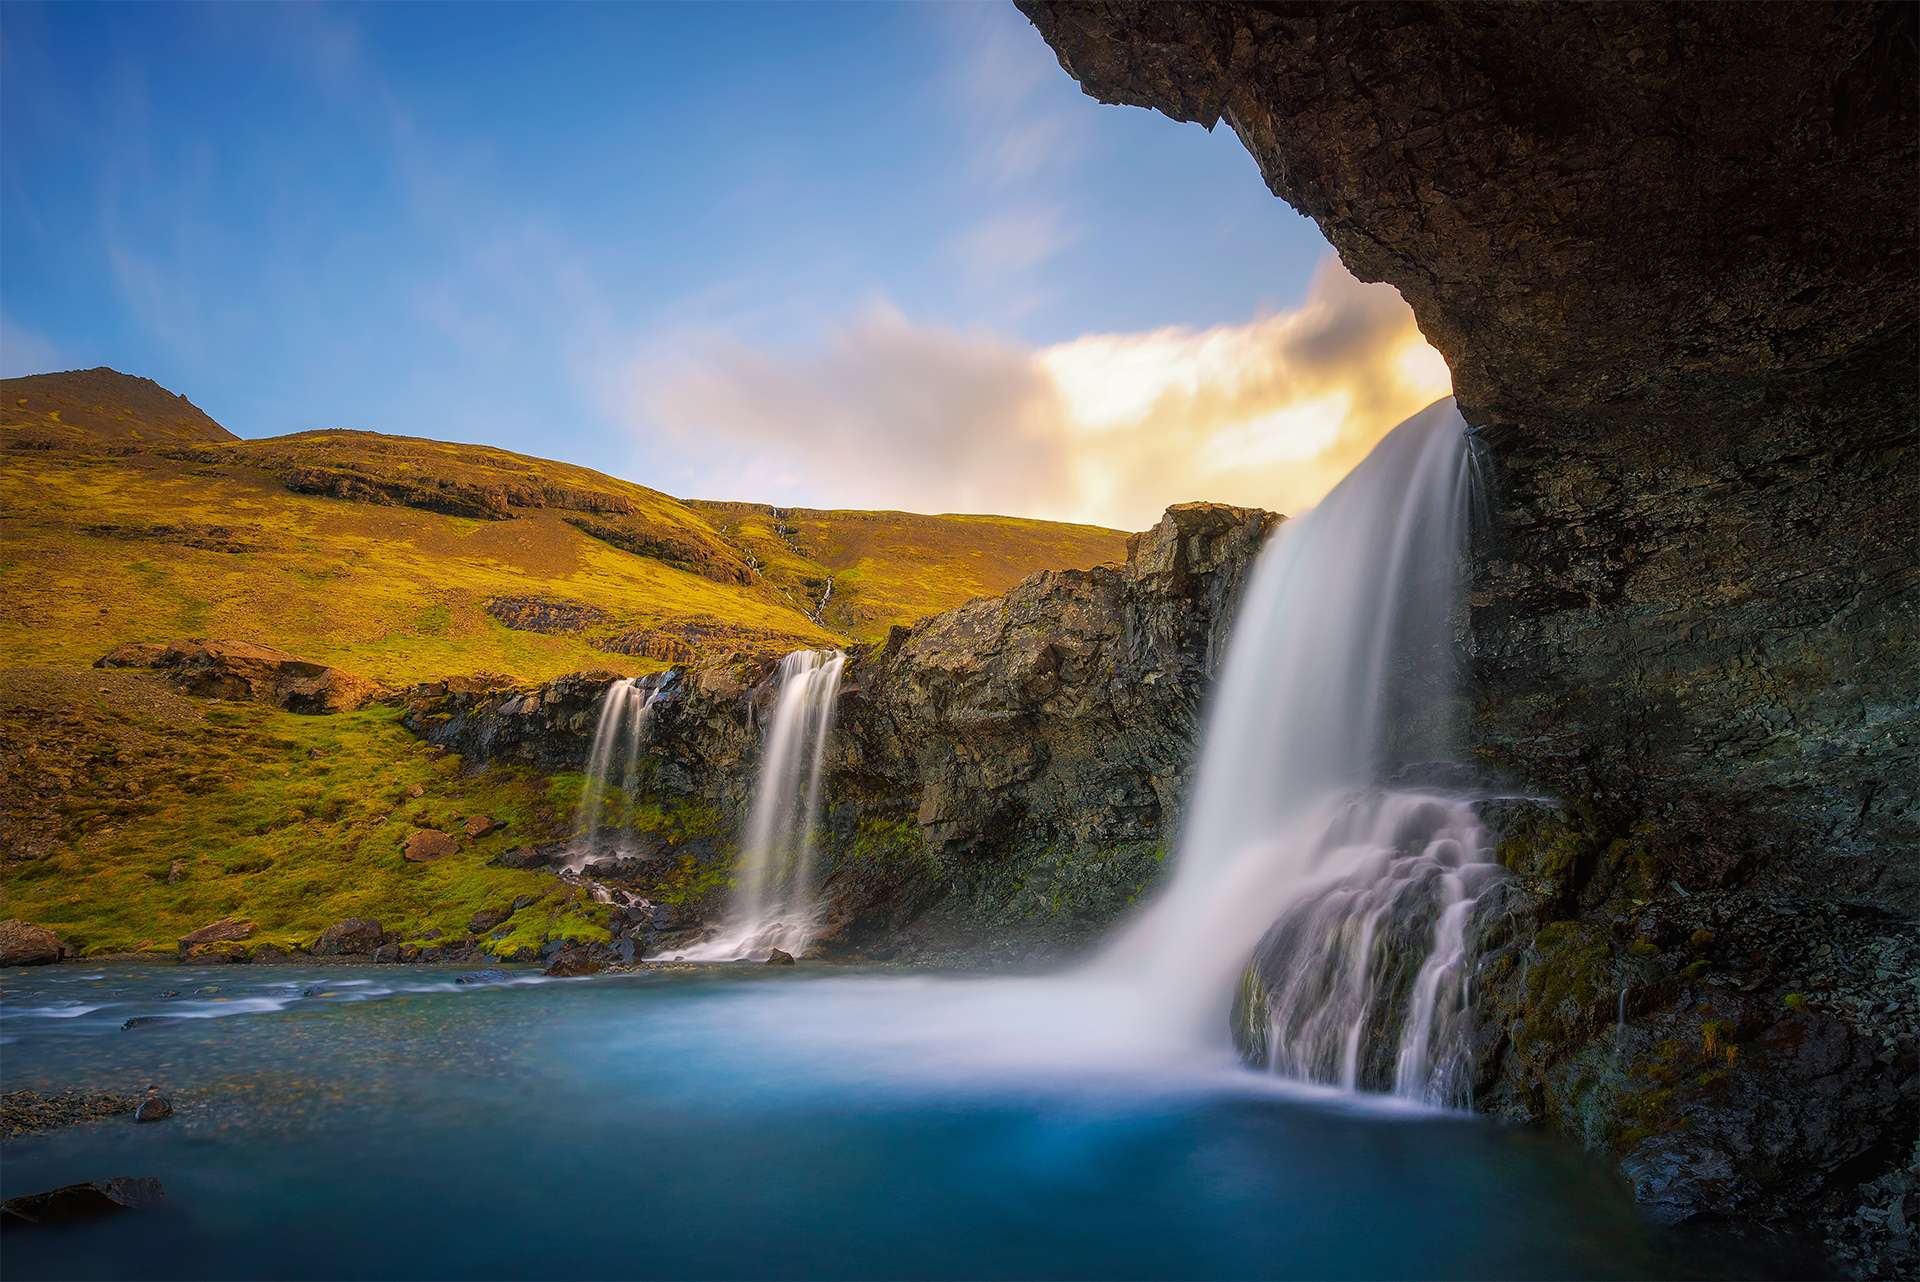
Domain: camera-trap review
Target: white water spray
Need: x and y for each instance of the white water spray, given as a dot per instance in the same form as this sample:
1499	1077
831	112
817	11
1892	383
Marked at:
774	906
1303	841
613	760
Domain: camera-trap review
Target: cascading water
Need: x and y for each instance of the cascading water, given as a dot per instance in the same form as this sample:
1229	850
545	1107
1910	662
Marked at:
1305	846
613	760
774	905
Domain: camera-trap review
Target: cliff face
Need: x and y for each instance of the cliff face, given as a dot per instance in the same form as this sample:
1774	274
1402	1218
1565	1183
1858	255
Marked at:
1670	254
1004	776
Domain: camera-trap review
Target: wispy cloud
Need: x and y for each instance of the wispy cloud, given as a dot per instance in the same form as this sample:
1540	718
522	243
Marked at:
1014	242
1107	428
1005	91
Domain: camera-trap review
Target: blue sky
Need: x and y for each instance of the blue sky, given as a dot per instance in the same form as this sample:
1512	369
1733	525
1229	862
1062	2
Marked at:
526	225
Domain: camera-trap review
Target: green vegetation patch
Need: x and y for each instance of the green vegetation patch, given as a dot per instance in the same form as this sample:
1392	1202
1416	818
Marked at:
242	811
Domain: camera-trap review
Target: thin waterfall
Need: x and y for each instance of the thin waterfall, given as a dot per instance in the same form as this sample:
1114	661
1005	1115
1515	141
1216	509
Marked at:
613	760
774	900
1310	847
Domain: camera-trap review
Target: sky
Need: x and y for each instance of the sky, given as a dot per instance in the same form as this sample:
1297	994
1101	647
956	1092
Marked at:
816	255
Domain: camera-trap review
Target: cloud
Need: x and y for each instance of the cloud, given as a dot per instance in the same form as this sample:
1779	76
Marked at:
1014	242
1106	428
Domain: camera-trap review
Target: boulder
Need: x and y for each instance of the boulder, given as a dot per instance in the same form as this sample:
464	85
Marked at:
24	944
416	791
218	932
481	825
78	1203
427	845
154	1107
521	857
572	963
354	935
780	957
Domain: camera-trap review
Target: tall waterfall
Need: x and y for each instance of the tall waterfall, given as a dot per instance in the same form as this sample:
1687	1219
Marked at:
1306	840
774	901
613	760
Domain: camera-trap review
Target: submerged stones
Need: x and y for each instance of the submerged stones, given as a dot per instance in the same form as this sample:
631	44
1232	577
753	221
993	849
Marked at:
30	1112
25	944
154	1107
79	1203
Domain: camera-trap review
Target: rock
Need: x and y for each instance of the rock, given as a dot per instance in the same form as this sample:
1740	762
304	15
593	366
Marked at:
177	872
486	919
524	901
521	857
482	977
221	931
24	944
779	957
416	791
387	953
29	1112
480	825
78	1203
427	845
243	670
144	1021
154	1107
353	936
573	963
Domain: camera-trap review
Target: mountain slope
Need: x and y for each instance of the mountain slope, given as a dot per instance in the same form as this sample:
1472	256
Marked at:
96	406
404	559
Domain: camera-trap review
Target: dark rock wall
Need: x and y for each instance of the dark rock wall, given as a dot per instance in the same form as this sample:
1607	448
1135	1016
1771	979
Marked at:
1670	253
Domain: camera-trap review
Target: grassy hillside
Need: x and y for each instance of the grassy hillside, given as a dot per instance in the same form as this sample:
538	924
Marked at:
897	567
130	814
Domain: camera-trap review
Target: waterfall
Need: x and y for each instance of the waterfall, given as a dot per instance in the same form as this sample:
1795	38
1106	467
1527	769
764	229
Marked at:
613	760
774	898
1308	844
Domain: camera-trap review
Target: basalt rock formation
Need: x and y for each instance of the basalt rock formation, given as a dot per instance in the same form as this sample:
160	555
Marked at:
243	670
1670	253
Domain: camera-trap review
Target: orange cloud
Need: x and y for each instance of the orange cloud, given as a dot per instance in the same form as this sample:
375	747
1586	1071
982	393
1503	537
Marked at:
1107	428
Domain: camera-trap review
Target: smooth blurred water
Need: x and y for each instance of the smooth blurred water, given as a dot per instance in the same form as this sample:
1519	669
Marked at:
750	1122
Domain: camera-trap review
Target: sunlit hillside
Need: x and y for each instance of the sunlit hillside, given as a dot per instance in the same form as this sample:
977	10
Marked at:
403	559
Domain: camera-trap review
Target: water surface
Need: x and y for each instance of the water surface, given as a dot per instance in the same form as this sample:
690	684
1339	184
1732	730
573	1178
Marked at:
348	1122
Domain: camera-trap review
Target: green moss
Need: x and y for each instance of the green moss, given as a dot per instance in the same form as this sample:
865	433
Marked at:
291	822
1795	1001
886	842
1568	982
